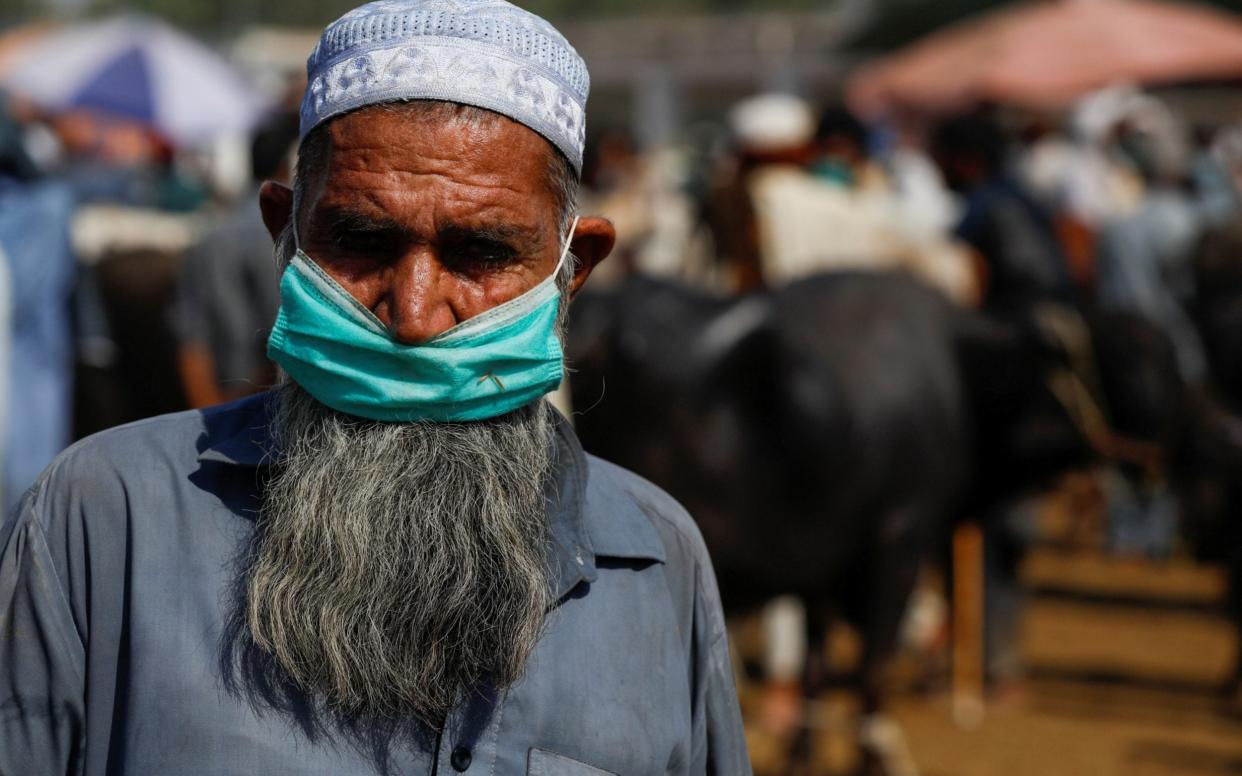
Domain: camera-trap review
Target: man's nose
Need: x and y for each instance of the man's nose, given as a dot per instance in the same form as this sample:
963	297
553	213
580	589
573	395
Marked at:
416	305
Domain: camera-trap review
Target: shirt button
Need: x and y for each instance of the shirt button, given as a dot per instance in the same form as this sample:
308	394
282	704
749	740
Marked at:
460	759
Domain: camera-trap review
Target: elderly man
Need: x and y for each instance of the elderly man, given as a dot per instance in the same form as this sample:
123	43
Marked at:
400	561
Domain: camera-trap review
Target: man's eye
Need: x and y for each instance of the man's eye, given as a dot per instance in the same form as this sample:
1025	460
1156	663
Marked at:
481	254
362	241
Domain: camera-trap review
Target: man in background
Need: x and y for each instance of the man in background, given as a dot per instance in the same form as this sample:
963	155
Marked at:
228	291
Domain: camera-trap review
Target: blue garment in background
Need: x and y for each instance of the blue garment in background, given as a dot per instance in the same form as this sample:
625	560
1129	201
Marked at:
34	235
1017	239
1144	267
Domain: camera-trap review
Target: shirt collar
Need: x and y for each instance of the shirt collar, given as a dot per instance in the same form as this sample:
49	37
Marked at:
239	434
571	555
621	516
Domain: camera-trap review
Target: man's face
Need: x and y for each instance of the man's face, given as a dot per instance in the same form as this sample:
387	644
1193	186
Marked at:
430	222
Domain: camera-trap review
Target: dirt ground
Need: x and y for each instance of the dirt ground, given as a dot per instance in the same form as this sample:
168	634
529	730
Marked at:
1124	660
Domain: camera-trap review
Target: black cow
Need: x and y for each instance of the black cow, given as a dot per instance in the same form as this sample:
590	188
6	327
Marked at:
822	435
1217	308
1198	427
1197	431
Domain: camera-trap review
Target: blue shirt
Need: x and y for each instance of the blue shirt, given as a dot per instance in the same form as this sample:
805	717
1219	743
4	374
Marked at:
34	237
116	572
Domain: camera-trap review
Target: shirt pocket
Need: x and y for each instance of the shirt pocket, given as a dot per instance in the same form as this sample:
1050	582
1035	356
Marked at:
545	763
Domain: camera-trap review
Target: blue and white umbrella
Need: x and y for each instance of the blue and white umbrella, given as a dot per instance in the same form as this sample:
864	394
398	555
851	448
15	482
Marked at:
140	69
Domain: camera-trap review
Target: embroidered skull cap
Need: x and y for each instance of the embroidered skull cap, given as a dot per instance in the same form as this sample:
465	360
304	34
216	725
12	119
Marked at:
486	53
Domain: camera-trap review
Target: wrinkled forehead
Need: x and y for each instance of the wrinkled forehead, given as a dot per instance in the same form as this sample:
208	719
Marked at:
430	154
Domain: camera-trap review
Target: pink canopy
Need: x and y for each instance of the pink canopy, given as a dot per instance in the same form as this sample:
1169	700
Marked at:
1046	54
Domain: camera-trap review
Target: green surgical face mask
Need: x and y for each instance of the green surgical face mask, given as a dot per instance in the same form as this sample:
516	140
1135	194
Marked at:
484	367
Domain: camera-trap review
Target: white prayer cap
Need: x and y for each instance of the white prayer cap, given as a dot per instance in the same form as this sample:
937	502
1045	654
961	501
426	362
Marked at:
486	53
772	122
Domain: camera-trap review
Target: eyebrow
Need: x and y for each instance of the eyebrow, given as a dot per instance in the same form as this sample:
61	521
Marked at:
522	238
339	218
505	234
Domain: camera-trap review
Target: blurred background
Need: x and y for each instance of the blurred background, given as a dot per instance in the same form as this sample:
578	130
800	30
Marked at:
930	312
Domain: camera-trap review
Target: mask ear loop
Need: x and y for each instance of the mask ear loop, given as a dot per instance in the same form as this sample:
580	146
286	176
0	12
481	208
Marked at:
297	200
569	240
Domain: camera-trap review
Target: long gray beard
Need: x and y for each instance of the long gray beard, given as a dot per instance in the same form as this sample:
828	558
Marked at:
398	566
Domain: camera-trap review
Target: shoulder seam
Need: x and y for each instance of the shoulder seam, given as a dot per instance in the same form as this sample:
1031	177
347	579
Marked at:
44	549
685	528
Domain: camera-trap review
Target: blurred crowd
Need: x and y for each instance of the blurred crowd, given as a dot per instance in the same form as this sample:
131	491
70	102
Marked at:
110	232
1103	205
1118	206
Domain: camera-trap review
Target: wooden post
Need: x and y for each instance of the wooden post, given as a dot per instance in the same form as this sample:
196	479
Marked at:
968	625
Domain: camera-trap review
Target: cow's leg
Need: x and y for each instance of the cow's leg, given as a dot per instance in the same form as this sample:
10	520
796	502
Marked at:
967	573
814	680
1233	561
891	572
784	663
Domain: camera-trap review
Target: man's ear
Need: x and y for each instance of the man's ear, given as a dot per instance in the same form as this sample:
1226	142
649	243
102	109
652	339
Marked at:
276	204
591	243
